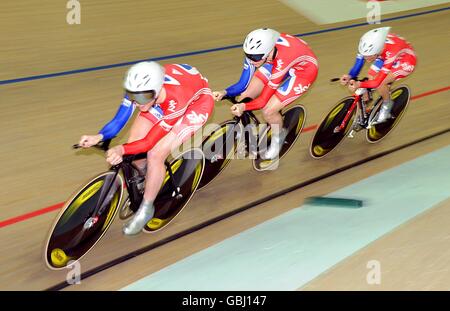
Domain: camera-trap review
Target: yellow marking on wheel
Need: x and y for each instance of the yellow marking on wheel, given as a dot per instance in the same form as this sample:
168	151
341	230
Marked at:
86	195
374	134
198	172
333	114
59	258
318	150
156	223
112	209
218	133
300	122
396	94
265	163
175	166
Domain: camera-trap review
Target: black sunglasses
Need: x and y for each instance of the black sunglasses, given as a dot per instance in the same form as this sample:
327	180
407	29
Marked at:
254	57
141	98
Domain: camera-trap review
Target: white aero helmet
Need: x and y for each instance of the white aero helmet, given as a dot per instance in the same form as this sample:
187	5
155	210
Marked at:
144	78
372	42
260	42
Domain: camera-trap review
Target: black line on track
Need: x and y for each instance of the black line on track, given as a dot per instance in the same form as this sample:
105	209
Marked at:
214	220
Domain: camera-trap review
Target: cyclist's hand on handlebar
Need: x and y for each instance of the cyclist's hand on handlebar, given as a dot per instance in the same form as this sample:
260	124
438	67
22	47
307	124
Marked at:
345	79
218	95
353	85
238	109
87	141
114	155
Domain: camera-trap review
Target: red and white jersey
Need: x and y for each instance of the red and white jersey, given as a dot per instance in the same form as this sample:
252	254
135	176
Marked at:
183	85
394	48
292	52
398	58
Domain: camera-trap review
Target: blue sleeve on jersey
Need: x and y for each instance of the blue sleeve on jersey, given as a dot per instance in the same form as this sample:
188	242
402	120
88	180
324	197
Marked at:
244	80
113	127
359	63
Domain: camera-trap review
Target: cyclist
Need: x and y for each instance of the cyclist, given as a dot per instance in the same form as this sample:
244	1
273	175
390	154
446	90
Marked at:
393	58
174	102
287	67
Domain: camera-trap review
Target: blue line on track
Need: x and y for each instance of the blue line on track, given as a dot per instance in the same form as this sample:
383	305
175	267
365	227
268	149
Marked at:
71	72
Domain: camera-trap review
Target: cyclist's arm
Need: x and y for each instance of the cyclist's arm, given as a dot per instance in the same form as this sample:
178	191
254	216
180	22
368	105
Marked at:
376	67
357	66
244	80
260	101
269	89
123	114
152	138
373	84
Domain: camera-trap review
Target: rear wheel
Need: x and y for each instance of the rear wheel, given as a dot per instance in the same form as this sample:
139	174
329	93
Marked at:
326	139
76	230
400	97
293	120
187	171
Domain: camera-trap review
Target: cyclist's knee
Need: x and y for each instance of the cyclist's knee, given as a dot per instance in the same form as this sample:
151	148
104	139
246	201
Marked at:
267	112
270	112
155	156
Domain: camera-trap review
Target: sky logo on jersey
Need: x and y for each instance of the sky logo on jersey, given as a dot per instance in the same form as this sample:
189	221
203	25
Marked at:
197	118
172	105
301	89
407	67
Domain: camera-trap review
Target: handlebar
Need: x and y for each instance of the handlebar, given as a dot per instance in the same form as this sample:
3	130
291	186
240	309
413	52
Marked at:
233	100
356	79
102	145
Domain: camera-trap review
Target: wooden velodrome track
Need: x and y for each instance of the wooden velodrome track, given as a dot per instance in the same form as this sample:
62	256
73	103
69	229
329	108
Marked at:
42	118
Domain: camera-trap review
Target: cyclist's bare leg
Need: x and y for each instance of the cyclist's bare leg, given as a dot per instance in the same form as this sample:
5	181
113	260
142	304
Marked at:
139	129
272	115
156	168
386	107
366	95
156	172
384	87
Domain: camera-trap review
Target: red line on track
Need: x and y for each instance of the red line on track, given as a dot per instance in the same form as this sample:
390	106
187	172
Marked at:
23	217
55	207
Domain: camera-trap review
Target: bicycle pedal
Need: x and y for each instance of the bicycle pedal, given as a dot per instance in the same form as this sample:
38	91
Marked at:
350	135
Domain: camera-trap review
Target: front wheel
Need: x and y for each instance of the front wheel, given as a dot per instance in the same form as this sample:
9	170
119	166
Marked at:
326	138
76	229
219	148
